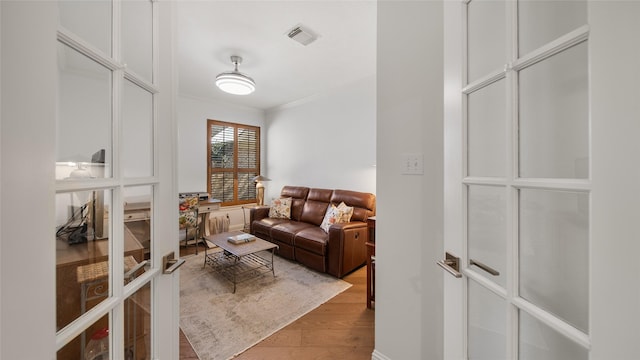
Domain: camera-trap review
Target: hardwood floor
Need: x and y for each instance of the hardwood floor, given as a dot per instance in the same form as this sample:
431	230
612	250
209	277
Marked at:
341	328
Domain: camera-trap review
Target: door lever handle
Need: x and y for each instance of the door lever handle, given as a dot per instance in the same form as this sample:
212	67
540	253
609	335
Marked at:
484	267
169	264
451	264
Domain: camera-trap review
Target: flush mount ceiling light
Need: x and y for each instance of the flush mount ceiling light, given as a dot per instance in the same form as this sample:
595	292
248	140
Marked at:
235	82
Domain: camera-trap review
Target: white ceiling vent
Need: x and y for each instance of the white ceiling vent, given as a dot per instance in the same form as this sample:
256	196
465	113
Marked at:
302	35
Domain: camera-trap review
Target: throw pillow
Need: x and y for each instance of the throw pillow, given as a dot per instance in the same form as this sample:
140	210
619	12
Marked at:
330	217
280	208
336	215
346	212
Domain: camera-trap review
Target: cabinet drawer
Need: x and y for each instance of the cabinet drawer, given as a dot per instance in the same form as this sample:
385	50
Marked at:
208	208
136	215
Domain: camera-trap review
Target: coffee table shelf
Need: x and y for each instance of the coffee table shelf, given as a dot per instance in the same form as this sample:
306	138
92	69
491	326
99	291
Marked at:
239	262
238	269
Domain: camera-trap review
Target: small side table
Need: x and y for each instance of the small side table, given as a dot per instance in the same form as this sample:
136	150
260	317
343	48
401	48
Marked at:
371	262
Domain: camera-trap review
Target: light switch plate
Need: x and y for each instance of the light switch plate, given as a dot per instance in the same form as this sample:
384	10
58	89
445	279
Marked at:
412	164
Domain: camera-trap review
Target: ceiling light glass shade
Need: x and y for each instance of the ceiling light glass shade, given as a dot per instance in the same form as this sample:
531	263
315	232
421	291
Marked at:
235	83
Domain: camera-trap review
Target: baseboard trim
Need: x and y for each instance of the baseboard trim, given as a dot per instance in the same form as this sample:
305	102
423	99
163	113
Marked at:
377	355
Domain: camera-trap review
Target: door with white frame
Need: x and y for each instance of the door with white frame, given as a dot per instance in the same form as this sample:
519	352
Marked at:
114	182
536	151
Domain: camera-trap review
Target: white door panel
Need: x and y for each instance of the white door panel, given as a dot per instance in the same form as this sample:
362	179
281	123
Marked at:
539	212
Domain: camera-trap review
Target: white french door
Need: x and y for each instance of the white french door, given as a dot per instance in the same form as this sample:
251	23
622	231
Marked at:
536	150
90	120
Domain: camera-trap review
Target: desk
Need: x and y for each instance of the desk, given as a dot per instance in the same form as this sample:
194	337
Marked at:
204	208
371	264
68	290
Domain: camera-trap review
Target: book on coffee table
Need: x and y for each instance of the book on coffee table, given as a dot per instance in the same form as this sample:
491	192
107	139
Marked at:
240	239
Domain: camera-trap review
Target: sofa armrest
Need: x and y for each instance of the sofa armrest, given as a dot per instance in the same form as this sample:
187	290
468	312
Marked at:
346	249
257	213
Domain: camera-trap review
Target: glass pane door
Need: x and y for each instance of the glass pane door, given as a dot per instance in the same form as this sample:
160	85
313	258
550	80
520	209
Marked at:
527	179
106	180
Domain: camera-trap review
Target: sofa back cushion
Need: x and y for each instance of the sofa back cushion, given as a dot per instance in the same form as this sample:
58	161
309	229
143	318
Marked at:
298	195
316	206
364	204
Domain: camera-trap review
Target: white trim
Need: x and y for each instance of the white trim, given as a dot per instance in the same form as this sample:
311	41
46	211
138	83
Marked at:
139	81
70	39
485	81
562	43
553	322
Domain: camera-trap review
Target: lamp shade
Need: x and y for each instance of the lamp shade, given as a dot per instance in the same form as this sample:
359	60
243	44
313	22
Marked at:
260	178
235	82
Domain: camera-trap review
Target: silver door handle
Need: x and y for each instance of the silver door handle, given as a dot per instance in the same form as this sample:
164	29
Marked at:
169	264
484	267
451	264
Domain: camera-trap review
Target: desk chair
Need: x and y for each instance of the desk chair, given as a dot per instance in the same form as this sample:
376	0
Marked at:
189	220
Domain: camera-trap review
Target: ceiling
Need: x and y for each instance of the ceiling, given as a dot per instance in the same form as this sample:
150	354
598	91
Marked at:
209	32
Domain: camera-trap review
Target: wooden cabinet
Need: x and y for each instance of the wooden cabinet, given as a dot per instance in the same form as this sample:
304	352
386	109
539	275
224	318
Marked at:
371	263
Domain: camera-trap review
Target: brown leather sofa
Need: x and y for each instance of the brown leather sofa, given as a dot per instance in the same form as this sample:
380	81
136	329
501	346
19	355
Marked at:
300	238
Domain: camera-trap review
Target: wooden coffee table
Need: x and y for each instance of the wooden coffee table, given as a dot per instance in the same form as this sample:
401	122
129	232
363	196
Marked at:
239	262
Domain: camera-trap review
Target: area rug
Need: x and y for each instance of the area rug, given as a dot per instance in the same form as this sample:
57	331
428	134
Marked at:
220	324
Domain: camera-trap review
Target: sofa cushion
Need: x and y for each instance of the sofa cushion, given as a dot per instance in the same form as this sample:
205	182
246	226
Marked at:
263	226
280	208
298	195
286	231
316	206
364	204
312	239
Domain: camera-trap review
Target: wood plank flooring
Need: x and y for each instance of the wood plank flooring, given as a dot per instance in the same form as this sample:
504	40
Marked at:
342	328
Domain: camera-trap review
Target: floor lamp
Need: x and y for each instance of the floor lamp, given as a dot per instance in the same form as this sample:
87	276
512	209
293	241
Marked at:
260	188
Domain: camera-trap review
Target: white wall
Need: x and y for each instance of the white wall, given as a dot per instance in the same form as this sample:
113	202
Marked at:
326	141
409	228
192	136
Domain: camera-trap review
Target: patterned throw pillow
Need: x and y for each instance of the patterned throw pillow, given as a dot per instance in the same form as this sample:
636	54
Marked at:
280	208
336	215
346	212
188	212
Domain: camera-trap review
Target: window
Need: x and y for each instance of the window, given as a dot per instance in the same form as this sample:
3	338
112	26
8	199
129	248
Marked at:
233	160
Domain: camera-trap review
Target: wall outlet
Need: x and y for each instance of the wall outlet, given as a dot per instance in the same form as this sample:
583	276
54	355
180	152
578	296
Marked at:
412	164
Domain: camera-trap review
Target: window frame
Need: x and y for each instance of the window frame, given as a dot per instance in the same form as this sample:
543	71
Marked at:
236	170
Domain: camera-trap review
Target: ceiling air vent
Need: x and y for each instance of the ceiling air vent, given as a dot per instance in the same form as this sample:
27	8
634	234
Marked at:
302	35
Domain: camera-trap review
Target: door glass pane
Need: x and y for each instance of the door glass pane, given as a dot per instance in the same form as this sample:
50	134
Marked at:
88	19
82	252
487	324
539	342
485	37
91	344
137	229
554	253
137	131
542	21
84	117
554	116
487	229
486	131
137	325
136	40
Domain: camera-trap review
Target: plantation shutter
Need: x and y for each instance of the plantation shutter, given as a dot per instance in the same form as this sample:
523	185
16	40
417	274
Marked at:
233	162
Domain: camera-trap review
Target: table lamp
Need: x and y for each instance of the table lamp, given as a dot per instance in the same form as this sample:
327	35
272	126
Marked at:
260	188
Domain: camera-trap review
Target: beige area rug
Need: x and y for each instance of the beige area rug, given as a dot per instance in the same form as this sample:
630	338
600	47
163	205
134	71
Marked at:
220	324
